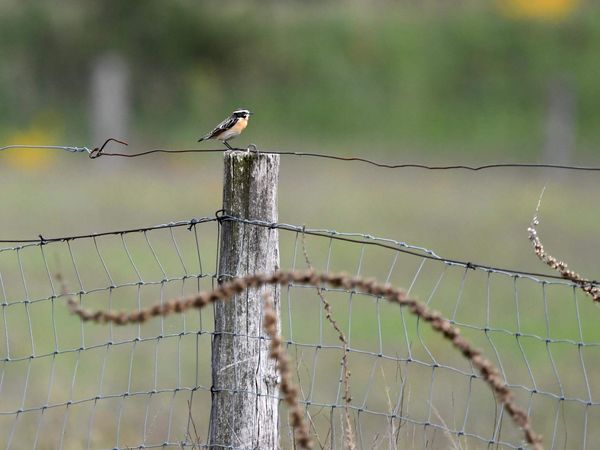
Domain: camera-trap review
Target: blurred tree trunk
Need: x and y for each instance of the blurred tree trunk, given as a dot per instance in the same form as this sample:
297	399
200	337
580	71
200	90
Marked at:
110	102
559	143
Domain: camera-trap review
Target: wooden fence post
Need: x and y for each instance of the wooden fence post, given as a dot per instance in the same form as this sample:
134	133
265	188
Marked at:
244	412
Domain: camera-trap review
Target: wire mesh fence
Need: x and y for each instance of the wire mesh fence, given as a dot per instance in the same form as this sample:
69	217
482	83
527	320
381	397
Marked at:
69	384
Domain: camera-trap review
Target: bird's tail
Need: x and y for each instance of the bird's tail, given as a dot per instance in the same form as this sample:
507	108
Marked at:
206	136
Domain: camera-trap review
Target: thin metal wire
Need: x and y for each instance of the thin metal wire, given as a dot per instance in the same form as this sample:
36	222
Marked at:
365	239
356	238
42	240
47	147
98	152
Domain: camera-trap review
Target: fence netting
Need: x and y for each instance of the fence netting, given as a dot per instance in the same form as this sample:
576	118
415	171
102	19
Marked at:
69	385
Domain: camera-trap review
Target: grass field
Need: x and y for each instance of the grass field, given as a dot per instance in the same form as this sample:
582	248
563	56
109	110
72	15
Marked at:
481	217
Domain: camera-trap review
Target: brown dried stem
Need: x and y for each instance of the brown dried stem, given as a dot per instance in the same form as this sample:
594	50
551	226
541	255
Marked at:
366	285
587	286
349	433
290	392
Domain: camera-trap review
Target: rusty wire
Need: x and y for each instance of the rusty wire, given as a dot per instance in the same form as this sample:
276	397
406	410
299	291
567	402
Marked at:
98	152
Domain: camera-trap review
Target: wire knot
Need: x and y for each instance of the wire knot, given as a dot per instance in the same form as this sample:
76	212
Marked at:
193	223
97	152
221	215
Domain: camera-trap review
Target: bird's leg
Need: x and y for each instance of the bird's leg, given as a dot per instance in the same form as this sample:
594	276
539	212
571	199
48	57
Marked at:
227	145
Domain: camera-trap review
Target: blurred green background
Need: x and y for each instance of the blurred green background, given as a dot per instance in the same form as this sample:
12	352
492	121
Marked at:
466	79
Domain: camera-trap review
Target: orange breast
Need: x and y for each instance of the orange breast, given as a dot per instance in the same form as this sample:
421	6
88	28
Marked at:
240	125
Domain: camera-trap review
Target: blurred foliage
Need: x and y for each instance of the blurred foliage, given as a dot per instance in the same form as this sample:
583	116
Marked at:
418	75
44	128
539	9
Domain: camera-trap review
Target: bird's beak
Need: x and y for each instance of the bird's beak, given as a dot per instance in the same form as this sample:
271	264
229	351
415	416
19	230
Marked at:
250	112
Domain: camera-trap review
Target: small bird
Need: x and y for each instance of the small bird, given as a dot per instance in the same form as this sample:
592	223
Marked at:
230	127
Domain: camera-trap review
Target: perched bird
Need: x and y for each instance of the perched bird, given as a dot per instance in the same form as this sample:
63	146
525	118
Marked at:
230	127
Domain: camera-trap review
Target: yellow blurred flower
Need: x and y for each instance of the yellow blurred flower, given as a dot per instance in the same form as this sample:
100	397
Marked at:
41	132
538	9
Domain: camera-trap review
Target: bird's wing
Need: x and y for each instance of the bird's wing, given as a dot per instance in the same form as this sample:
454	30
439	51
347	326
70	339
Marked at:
225	125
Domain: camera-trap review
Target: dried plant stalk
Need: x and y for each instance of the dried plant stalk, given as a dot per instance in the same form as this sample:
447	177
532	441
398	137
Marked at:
588	286
286	386
349	432
366	285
